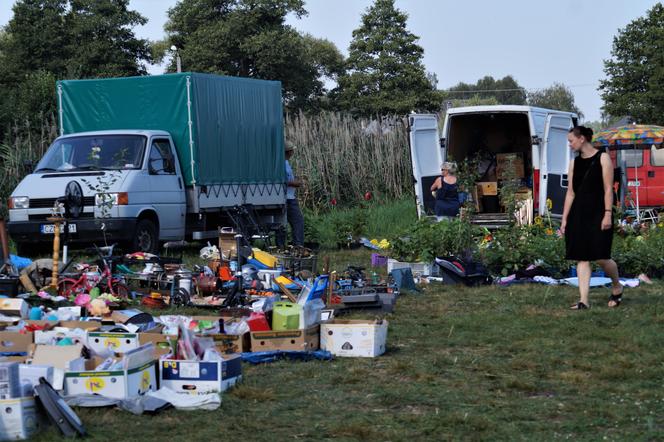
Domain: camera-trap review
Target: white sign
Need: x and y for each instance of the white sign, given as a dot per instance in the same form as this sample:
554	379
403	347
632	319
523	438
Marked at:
633	183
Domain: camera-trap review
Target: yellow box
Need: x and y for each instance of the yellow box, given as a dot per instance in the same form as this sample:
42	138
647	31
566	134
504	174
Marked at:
487	188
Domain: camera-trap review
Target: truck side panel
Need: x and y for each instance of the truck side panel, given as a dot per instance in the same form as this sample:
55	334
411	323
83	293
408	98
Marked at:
239	127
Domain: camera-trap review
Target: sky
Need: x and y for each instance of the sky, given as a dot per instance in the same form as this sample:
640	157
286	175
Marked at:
537	42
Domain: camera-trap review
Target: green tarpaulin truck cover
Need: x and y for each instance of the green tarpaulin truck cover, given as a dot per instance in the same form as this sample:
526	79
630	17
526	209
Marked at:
227	130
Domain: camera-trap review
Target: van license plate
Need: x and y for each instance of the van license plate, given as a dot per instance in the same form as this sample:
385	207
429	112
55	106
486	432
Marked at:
48	229
633	183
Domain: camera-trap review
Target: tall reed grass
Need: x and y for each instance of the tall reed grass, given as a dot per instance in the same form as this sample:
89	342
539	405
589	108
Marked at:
22	145
341	158
338	157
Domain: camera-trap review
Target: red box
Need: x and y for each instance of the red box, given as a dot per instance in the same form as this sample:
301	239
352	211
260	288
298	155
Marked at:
258	322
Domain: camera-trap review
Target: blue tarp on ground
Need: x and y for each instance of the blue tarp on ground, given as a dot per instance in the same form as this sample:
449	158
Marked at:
261	357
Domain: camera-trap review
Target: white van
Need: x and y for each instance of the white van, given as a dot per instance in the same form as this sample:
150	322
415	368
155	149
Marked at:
538	137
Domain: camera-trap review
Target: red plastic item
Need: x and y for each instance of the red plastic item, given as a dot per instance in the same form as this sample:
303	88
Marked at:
258	322
225	274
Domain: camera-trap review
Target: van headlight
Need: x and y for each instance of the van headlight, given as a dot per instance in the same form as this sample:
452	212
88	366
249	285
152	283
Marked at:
19	202
112	199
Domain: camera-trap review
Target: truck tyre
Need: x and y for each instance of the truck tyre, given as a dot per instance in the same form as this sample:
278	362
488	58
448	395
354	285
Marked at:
145	237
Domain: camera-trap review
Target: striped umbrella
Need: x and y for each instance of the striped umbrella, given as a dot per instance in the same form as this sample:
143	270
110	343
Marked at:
633	134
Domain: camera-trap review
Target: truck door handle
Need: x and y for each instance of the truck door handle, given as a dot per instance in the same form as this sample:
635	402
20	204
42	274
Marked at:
651	174
180	182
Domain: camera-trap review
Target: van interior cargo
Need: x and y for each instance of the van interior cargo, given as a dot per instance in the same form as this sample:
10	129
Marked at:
499	141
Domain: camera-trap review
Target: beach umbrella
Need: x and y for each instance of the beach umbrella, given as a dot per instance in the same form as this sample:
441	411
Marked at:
633	136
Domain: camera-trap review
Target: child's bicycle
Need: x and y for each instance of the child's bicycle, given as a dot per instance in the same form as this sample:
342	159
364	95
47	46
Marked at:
89	279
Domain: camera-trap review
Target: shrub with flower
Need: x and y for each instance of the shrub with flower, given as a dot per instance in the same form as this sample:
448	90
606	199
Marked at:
516	247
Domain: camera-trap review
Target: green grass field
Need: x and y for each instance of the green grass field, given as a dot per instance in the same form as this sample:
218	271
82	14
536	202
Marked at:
484	363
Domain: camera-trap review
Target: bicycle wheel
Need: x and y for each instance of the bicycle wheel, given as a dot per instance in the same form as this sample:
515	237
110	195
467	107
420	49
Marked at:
69	287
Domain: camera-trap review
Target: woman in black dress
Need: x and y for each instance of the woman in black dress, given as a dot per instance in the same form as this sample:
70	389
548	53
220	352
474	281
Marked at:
587	216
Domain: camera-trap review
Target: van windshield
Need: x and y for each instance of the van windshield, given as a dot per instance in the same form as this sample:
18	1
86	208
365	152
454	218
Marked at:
105	152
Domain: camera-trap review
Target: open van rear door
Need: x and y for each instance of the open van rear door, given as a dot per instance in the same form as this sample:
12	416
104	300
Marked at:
554	171
426	157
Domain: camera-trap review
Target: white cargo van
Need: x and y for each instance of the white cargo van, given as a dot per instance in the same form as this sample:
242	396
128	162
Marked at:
538	137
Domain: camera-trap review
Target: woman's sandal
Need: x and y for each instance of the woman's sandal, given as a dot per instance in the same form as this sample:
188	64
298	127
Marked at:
616	299
579	306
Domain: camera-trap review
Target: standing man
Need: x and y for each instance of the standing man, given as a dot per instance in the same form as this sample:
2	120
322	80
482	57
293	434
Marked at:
293	212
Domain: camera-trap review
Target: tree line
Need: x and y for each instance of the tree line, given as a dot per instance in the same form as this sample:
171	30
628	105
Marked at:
383	74
47	40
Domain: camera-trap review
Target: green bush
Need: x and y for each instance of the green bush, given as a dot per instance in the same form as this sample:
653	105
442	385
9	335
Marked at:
516	247
349	225
384	219
640	252
425	240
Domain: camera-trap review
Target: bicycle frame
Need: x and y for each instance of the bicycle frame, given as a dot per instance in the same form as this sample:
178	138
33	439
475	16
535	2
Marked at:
71	286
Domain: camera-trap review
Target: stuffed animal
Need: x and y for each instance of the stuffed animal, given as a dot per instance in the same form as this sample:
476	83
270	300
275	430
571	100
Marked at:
98	307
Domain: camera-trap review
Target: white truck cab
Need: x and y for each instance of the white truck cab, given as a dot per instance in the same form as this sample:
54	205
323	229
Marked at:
137	169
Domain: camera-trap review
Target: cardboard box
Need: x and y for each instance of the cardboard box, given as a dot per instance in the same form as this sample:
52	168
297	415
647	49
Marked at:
227	243
62	358
138	375
487	188
14	307
299	340
10	383
85	325
29	375
15	342
19	418
51	337
503	161
523	194
160	341
231	343
116	342
354	338
200	377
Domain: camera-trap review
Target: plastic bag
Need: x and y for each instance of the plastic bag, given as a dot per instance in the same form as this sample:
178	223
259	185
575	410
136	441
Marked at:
209	252
236	328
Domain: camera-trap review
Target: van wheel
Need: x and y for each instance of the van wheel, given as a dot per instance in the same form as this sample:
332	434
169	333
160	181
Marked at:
145	237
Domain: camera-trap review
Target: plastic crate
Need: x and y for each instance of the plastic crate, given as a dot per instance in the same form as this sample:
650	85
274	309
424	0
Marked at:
297	264
378	260
421	268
